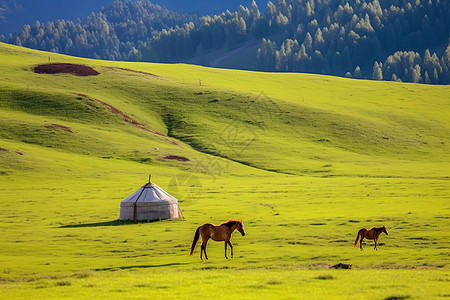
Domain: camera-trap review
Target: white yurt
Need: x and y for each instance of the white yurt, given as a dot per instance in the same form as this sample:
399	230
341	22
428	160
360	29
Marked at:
150	203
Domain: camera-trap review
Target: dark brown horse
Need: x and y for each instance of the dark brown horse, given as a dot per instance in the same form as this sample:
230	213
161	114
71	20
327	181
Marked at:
370	234
217	233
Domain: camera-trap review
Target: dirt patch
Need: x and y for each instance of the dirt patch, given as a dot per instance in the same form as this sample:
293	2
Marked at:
130	120
6	150
175	157
126	117
57	126
56	68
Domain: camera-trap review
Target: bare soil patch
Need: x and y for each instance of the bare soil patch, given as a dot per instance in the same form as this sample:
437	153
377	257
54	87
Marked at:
6	150
74	69
57	126
175	157
130	120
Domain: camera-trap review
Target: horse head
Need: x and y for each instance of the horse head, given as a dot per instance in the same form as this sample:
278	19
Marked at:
240	227
385	230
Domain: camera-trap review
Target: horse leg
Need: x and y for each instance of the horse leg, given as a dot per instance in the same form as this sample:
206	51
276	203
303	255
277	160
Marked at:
360	243
376	244
204	249
226	250
231	246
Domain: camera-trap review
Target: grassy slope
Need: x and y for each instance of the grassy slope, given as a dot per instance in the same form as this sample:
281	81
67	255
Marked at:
319	157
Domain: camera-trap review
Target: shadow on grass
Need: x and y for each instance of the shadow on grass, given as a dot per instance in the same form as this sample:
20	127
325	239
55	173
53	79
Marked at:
139	267
108	223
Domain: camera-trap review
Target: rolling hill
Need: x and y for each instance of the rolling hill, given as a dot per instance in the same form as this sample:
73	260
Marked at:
381	40
350	124
305	160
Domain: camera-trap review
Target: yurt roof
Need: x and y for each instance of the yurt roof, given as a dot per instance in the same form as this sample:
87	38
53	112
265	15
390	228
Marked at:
149	193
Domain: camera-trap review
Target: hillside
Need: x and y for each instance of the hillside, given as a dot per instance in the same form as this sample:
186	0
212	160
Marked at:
382	40
14	14
305	160
358	119
203	7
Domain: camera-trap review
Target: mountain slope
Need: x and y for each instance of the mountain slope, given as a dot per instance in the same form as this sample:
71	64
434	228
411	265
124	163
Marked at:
203	7
381	40
14	14
287	123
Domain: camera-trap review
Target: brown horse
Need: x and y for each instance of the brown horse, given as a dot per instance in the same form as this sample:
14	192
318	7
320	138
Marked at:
217	233
372	234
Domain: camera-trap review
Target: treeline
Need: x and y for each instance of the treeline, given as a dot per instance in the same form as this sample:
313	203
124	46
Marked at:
411	67
114	33
359	39
405	40
212	32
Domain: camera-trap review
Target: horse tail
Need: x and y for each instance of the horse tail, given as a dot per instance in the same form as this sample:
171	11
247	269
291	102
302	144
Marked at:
194	242
356	241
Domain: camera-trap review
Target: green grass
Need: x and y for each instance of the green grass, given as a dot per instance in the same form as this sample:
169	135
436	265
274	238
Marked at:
241	284
304	160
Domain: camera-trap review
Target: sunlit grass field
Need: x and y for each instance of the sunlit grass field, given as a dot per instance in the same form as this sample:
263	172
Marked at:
304	160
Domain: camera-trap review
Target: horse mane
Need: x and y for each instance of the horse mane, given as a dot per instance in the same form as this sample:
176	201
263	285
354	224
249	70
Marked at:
230	223
377	228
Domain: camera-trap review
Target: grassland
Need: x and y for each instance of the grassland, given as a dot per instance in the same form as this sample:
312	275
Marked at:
304	160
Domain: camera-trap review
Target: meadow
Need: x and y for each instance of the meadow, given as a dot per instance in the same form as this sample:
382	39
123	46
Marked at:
304	160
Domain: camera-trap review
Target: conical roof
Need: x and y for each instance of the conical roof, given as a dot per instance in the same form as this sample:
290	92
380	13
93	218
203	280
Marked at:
150	192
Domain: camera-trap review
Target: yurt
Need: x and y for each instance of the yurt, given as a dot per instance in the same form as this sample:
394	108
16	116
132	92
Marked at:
150	203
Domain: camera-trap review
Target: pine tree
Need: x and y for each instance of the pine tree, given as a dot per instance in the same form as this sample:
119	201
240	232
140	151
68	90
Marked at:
416	77
357	74
319	42
426	78
394	77
377	73
254	11
308	42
